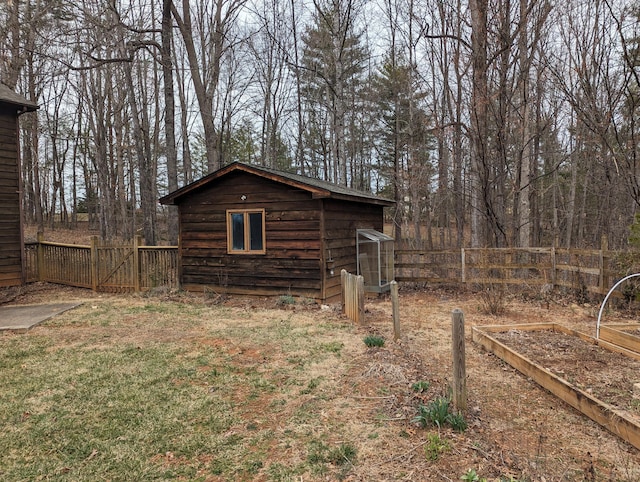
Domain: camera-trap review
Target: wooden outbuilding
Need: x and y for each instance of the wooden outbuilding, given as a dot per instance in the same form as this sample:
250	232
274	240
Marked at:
248	229
11	238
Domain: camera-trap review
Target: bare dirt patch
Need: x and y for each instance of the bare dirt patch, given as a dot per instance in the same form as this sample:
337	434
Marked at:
515	428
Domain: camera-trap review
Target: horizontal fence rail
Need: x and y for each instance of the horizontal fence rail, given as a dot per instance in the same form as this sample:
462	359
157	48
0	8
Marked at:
139	268
592	271
103	267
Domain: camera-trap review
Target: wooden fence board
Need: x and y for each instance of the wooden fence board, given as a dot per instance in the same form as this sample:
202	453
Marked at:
102	267
578	269
110	268
352	296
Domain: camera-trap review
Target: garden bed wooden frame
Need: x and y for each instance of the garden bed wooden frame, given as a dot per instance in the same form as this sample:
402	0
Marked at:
604	414
617	334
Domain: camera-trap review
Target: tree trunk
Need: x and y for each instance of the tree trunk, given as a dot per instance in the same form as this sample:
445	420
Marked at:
169	119
479	117
204	92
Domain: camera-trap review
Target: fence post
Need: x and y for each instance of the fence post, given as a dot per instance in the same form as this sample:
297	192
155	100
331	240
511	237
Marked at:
40	256
604	246
360	298
343	289
459	369
553	266
463	276
94	263
395	308
137	242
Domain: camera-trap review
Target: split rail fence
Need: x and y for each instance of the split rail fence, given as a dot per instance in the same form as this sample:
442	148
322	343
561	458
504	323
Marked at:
103	267
137	267
593	271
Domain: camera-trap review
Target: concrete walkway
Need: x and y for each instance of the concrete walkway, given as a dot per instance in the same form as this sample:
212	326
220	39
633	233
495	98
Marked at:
21	318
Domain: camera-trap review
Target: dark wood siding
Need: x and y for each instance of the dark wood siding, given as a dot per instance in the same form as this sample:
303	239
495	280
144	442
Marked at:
341	220
10	227
293	242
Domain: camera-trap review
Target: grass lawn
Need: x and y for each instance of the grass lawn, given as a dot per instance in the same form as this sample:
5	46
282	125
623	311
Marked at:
176	388
148	390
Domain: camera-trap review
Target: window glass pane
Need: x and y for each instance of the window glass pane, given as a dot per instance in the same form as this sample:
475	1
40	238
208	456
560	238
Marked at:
237	231
255	230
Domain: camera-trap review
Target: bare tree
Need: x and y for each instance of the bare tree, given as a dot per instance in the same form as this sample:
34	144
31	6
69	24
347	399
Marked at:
169	116
482	206
209	35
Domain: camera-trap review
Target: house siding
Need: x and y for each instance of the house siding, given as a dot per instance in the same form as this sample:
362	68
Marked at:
292	231
341	220
10	222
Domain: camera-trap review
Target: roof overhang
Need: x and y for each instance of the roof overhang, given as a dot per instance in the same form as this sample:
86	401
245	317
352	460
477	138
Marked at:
316	188
22	105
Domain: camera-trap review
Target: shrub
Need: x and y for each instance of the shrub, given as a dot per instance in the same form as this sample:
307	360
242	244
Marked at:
493	297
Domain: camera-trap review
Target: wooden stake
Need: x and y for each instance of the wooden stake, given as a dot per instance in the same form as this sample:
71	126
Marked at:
459	369
395	308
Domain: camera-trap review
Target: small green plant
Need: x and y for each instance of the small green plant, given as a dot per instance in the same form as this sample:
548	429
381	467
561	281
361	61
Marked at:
436	412
286	300
373	341
320	454
332	347
341	455
435	446
421	386
457	422
472	476
311	386
317	452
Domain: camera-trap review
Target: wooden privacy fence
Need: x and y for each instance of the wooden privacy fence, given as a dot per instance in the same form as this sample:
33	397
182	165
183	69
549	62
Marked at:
589	270
352	296
103	267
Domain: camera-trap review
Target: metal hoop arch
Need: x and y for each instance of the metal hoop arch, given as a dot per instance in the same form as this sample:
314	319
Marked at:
607	297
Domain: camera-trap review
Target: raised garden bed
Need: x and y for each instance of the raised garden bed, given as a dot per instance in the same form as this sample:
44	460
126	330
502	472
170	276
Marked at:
624	335
594	377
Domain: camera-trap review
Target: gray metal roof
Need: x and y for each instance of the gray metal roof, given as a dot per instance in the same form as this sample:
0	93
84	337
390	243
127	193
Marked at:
318	187
334	188
8	96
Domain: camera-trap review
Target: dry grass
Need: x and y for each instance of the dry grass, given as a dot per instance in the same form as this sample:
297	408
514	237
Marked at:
173	387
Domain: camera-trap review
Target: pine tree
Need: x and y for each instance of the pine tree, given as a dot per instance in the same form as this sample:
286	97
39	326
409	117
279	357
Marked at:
333	60
405	142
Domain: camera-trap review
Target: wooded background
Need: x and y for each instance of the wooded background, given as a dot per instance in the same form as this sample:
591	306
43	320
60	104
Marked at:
490	122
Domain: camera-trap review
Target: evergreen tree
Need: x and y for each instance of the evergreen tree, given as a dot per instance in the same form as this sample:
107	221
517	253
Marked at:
333	60
405	142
